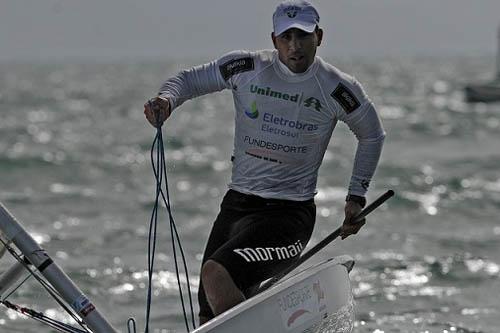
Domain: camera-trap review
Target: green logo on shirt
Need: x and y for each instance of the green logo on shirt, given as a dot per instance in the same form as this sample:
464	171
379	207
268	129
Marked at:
253	112
273	93
267	91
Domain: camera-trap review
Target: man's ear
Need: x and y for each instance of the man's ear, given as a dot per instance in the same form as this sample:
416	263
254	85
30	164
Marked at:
273	37
319	33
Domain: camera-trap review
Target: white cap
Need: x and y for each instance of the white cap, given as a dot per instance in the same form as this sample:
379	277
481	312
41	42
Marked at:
295	14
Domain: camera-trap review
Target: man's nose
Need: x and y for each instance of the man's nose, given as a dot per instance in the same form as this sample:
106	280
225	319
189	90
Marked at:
294	43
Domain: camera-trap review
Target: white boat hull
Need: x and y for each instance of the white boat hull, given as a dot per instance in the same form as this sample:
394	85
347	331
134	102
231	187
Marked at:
318	299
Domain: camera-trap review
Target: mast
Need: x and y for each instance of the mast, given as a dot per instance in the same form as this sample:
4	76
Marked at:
39	258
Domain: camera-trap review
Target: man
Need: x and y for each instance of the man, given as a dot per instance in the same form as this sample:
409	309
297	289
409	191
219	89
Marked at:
287	103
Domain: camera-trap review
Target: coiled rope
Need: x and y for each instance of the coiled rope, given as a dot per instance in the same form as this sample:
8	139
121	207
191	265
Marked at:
158	162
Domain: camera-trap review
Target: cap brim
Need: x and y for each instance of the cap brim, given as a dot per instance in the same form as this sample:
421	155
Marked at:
307	27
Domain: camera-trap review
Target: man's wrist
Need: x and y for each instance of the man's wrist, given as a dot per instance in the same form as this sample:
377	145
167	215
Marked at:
356	198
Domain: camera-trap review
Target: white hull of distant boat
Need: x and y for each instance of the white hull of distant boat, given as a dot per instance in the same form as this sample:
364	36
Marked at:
317	299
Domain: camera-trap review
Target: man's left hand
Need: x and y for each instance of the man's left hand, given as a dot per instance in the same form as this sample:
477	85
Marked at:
350	227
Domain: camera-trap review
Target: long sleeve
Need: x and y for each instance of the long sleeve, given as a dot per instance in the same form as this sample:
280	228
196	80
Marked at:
367	127
200	80
370	134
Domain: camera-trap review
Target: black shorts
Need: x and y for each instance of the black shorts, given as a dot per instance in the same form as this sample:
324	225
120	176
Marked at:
256	238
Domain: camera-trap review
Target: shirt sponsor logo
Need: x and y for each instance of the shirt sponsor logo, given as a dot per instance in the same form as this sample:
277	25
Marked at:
293	124
345	98
254	89
278	131
295	98
265	158
252	113
270	253
285	127
236	66
314	102
274	146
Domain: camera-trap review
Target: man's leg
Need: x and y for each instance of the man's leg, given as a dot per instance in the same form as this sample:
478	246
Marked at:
250	224
218	236
203	319
220	289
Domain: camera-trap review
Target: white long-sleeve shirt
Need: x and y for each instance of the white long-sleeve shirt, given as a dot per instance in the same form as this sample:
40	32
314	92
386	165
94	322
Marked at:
284	121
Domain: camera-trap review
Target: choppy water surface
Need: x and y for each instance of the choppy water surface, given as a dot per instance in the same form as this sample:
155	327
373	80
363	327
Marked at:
74	167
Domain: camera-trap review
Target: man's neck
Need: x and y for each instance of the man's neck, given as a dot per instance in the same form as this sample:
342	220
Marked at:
289	72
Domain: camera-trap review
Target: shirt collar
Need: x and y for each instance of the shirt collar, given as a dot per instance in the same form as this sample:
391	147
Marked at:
285	72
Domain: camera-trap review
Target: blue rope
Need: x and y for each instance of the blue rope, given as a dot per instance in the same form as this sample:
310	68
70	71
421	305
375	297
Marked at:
160	172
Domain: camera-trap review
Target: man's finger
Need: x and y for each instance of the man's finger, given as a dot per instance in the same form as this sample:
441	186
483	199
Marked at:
351	228
150	117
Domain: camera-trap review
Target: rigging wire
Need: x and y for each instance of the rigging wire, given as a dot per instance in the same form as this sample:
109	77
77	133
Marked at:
39	316
62	327
159	167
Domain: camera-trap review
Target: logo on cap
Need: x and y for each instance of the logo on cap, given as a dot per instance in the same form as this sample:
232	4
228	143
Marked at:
298	14
291	12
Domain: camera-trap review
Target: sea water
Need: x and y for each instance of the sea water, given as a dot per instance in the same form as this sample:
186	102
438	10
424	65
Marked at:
75	169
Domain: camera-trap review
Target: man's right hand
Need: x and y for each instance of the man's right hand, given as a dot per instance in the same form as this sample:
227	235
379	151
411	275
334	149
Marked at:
157	110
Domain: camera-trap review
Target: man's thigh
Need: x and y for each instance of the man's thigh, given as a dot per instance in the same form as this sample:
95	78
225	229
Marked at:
260	245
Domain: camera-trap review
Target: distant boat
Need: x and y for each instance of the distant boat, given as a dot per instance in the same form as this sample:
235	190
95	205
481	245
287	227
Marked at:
483	92
488	91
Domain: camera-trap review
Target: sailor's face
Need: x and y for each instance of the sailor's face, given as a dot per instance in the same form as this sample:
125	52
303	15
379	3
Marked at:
297	48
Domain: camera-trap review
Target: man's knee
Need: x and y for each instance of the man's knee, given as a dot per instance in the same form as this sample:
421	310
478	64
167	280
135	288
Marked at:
212	271
220	289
